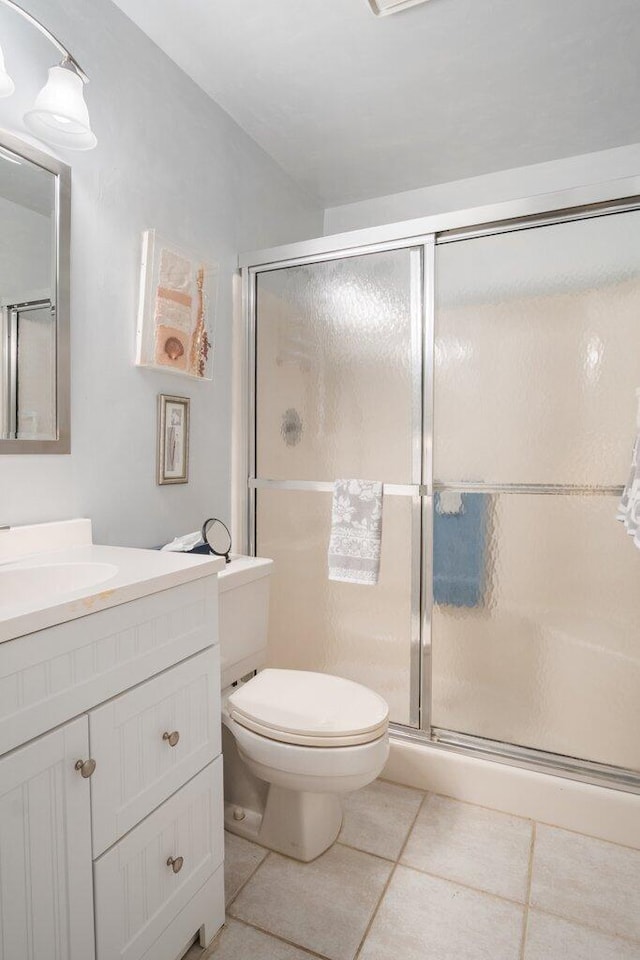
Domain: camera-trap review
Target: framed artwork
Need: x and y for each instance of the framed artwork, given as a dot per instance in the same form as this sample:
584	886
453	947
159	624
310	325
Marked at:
175	313
173	439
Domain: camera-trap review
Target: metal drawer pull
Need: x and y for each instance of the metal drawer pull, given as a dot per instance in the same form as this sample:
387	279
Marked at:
86	767
175	863
171	737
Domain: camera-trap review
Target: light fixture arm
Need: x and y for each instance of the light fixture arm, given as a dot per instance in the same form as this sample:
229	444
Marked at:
68	60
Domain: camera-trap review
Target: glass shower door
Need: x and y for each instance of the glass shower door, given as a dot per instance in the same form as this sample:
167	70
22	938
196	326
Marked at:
536	623
338	395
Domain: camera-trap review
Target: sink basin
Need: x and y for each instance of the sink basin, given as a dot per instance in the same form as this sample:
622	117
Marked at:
20	585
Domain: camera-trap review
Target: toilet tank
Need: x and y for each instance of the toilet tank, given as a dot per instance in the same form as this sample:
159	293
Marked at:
243	616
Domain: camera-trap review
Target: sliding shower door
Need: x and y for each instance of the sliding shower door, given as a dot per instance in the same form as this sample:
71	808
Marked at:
536	619
338	379
489	379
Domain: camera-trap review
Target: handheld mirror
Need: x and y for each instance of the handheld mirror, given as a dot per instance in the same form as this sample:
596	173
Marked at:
216	534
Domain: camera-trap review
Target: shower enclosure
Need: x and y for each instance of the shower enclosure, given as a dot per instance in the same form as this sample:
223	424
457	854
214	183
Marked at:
485	370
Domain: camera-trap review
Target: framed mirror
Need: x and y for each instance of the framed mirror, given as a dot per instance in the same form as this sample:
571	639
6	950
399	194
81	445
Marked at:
35	213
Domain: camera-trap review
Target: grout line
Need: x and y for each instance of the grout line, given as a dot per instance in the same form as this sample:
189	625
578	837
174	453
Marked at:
525	927
245	882
277	936
413	823
482	806
589	836
368	853
336	843
526	906
531	858
394	867
389	879
588	926
461	883
519	816
405	786
527	899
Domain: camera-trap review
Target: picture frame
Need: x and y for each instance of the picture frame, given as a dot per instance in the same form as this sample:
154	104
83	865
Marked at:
173	439
176	306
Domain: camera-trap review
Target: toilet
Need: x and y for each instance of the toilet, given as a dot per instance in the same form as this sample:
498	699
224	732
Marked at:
293	740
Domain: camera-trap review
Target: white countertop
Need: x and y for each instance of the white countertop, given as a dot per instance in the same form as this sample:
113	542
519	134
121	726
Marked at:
138	574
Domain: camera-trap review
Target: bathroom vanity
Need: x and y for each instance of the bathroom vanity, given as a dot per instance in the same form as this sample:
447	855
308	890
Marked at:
111	809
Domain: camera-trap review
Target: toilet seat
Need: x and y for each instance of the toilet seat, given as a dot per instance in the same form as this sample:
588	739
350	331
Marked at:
299	767
309	709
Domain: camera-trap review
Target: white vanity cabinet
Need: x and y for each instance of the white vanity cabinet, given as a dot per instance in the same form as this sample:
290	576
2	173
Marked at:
135	689
45	844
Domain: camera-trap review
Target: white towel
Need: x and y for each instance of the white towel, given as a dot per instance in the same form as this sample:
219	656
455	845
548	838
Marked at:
449	503
629	506
356	531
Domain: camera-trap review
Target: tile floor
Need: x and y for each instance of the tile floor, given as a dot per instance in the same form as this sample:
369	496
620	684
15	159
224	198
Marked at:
415	876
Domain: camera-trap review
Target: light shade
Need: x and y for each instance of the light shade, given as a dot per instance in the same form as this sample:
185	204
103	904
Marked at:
6	83
60	115
382	8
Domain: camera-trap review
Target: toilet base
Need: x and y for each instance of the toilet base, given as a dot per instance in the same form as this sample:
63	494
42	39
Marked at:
296	823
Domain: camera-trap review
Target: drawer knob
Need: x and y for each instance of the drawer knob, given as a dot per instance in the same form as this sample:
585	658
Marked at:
172	738
85	767
175	863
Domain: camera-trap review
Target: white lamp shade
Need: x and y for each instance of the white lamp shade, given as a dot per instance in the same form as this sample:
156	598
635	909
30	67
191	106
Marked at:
60	115
6	83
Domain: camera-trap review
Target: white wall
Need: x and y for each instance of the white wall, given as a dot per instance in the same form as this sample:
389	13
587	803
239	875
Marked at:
169	158
490	188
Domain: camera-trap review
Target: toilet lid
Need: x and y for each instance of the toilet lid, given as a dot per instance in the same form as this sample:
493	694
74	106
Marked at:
313	709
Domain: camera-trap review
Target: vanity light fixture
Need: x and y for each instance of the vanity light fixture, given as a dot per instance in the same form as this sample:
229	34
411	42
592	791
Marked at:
383	8
7	85
10	158
59	115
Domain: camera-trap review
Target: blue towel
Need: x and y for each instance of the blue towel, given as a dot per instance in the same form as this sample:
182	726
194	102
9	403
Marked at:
459	552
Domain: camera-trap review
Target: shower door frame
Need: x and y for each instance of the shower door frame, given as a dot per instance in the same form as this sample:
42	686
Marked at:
421	280
617	196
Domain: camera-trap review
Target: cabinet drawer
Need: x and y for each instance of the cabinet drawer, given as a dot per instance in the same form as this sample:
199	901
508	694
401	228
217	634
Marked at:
137	895
204	914
55	674
137	766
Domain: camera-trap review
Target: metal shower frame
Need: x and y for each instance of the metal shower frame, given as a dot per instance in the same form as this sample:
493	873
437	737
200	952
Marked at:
422	235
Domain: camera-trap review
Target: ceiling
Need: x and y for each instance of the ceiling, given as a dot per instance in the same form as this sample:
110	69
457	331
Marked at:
354	106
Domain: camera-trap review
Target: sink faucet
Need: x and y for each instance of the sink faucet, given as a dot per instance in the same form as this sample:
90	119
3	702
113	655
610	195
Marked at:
4	526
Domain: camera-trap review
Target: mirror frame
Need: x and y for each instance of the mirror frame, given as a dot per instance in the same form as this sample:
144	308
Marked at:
60	298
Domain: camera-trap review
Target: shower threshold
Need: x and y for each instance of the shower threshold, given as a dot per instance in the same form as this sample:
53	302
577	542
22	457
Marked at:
571	768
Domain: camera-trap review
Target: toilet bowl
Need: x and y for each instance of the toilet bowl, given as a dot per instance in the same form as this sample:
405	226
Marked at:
293	740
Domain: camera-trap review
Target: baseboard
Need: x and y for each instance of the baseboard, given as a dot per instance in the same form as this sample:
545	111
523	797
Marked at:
597	811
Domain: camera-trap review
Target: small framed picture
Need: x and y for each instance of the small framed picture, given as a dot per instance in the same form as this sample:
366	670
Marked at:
173	439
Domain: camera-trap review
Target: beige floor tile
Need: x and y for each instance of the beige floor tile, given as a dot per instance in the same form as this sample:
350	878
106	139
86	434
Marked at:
424	917
471	845
587	880
324	905
549	937
239	942
377	818
241	858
